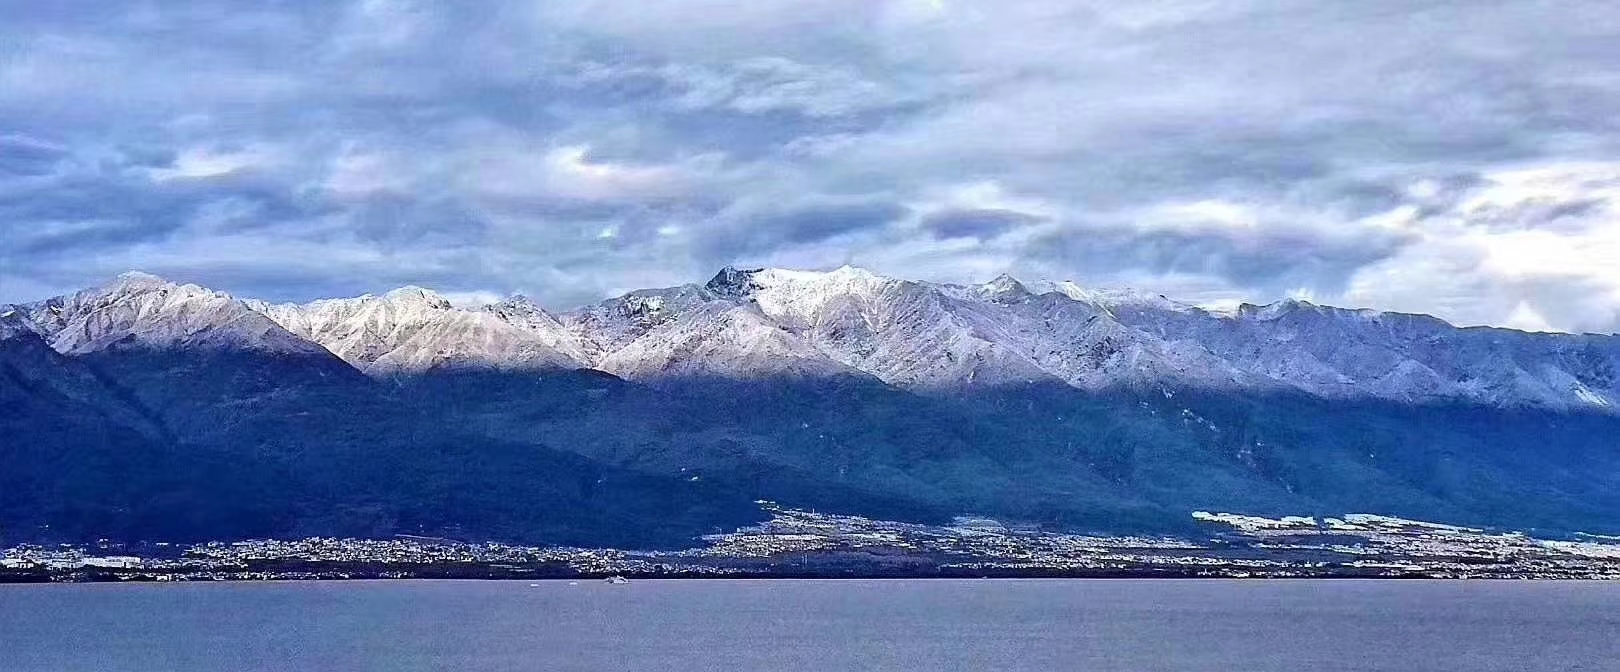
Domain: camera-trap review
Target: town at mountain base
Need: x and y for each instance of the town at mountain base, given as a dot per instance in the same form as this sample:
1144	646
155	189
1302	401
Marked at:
145	409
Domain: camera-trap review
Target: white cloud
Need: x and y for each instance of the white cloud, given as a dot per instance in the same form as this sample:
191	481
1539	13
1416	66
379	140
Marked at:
570	171
359	172
573	172
1534	248
204	162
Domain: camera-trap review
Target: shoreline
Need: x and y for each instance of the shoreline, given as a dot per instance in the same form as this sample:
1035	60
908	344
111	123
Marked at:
810	545
315	574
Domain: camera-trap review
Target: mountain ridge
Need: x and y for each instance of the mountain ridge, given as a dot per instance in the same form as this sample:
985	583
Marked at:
149	409
914	335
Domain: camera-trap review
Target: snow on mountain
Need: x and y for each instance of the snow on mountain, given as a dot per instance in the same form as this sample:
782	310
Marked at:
1086	346
939	337
14	323
904	333
412	330
1002	289
1109	299
1336	352
920	336
606	327
407	330
759	323
846	321
927	336
935	337
719	329
795	298
462	339
715	340
362	329
545	327
142	309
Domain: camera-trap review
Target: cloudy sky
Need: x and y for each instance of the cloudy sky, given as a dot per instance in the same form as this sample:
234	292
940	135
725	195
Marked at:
1456	158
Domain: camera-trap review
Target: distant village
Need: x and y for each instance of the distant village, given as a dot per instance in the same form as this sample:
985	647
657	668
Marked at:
796	543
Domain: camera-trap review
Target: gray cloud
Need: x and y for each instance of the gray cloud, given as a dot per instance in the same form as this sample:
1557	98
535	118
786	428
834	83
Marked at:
753	228
975	223
22	156
1273	262
755	86
1235	150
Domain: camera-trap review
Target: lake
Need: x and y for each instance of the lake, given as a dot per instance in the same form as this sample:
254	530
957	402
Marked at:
1093	625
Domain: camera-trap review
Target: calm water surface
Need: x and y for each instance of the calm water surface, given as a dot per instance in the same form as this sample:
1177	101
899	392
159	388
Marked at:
1229	626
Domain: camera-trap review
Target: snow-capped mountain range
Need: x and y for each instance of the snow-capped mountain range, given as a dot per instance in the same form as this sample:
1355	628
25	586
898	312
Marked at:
919	336
147	409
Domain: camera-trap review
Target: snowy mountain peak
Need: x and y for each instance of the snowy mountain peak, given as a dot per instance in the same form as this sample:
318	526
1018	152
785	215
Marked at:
142	309
413	329
1295	306
517	300
848	273
1074	291
1003	288
411	294
1278	309
137	282
1111	299
717	339
732	282
519	308
361	329
15	322
796	297
541	326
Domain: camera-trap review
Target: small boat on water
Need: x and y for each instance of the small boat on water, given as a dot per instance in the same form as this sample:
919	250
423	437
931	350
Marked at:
616	580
